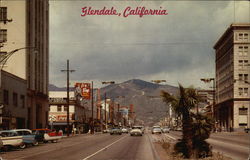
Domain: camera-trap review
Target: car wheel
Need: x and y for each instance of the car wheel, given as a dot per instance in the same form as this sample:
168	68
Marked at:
54	141
6	148
35	143
22	146
131	134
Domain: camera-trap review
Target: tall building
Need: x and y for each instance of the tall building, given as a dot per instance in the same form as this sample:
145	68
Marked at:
232	110
24	27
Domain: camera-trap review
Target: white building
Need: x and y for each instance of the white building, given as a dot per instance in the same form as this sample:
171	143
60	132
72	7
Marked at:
232	110
78	117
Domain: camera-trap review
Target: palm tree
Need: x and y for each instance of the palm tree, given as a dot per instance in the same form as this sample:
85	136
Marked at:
188	99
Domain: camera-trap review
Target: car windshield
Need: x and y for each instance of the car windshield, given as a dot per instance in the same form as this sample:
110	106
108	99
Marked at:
157	128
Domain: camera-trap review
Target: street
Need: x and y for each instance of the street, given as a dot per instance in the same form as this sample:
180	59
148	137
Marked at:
92	147
234	145
104	146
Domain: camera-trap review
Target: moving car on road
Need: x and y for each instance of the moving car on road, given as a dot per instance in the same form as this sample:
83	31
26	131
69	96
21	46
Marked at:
165	130
115	130
11	139
124	130
136	131
156	130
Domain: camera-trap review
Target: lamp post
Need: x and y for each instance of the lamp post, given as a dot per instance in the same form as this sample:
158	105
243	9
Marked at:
105	101
68	70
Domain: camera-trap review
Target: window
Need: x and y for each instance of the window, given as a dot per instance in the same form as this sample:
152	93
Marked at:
240	36
243	111
3	13
59	108
245	50
245	36
245	91
15	100
6	97
245	63
240	50
245	77
22	97
240	91
240	77
65	108
3	35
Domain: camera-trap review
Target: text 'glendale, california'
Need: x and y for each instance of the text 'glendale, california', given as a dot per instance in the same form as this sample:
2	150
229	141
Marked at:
139	11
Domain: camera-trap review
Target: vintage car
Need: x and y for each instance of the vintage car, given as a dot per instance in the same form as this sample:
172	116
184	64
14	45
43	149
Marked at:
136	131
28	137
46	135
115	130
11	139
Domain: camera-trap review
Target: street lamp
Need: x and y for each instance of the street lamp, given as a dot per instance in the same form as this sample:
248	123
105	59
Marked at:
158	81
105	101
4	58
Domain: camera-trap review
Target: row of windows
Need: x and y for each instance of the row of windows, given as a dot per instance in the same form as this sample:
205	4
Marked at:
243	77
243	50
243	63
14	98
243	36
59	108
243	91
243	111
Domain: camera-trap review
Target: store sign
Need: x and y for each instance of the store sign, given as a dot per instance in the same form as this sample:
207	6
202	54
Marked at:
83	90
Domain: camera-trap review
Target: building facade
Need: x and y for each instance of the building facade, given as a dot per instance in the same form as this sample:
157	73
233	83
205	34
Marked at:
78	115
14	112
232	78
24	26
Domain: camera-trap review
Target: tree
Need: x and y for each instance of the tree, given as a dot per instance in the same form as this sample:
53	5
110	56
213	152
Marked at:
194	134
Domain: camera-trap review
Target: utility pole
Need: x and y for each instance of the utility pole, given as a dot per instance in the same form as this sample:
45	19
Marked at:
105	107
68	70
92	107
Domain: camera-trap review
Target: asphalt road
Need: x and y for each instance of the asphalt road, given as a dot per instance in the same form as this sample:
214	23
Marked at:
234	145
91	147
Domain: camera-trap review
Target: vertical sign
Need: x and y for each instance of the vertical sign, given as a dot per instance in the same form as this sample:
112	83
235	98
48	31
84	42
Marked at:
83	89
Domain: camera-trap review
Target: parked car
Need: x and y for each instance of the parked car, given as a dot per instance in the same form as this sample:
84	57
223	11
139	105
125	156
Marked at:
28	137
165	130
11	139
247	130
124	130
46	135
115	130
156	130
135	131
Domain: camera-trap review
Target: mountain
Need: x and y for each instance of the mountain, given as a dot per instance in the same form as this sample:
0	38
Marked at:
55	88
145	97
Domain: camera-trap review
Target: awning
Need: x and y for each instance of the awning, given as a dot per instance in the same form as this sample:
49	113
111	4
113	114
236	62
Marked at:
60	123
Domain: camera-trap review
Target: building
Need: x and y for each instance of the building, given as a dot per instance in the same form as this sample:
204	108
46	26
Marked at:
15	113
206	102
24	27
232	78
78	113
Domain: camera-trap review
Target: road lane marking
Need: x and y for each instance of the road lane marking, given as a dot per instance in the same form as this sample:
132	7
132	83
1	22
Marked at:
35	154
104	148
155	154
170	137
